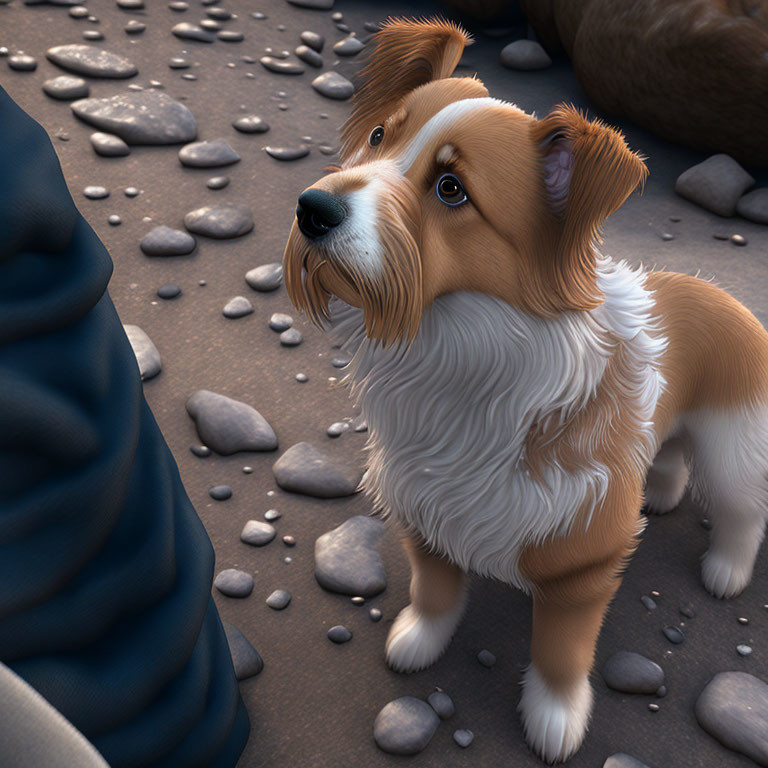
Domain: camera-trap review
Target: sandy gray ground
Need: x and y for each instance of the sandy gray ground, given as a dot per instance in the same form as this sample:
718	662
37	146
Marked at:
315	702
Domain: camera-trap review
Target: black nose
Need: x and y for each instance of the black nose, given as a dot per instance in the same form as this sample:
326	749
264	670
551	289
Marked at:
318	212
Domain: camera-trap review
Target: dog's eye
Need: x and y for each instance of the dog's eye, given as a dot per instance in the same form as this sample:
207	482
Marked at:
377	134
450	191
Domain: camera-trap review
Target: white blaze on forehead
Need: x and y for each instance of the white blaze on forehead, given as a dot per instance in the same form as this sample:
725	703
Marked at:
440	122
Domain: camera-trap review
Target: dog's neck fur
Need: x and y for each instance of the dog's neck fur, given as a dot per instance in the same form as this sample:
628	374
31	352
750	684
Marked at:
449	415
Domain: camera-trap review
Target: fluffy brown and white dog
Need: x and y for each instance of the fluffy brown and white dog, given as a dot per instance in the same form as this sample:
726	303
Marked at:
524	393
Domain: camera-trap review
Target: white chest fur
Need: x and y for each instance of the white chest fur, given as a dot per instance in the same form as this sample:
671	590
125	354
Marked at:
449	415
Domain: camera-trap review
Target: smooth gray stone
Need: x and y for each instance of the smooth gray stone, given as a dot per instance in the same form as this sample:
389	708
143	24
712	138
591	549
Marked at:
257	533
217	182
463	737
333	85
147	356
65	87
134	27
339	634
280	322
267	277
674	635
229	426
288	153
291	338
179	62
186	31
107	145
347	559
93	34
279	599
96	192
349	46
442	703
230	36
405	726
315	5
250	124
375	615
335	429
22	62
623	760
220	492
312	39
208	154
716	184
169	291
237	307
234	583
524	55
754	205
733	707
164	241
220	221
245	658
281	66
143	117
309	56
632	673
92	61
303	468
130	5
486	658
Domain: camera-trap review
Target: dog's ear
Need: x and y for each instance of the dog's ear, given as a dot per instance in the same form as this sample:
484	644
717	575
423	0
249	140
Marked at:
588	171
405	54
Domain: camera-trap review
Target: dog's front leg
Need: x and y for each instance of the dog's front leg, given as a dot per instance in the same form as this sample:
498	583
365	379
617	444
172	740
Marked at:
424	628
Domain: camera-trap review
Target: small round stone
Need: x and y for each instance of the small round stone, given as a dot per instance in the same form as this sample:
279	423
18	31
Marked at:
442	703
93	34
271	515
463	737
131	192
217	182
203	451
134	27
267	277
661	692
220	492
79	12
257	534
289	541
178	5
291	338
349	46
667	236
279	599
169	291
250	124
234	583
286	154
65	87
309	56
337	428
108	145
22	62
374	614
339	634
648	602
247	470
486	658
165	241
405	726
738	240
230	36
631	672
302	378
743	650
706	524
654	707
743	620
674	635
287	559
179	62
280	322
96	193
358	600
237	307
114	220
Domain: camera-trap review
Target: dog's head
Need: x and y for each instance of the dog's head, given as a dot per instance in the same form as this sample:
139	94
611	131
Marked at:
442	188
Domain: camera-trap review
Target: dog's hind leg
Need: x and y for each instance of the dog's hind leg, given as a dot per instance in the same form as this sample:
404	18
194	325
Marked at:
424	628
730	471
667	478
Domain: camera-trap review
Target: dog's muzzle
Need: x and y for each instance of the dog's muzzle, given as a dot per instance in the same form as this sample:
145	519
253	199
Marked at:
318	212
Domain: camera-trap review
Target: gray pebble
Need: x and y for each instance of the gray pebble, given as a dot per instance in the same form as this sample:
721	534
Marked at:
93	34
164	241
341	360
91	61
114	220
234	583
347	559
674	635
743	650
169	291
291	338
661	691
220	492
648	602
754	205
281	66
632	673
463	737
250	124
257	534
220	14
178	5
302	378
145	117
271	515
245	658
405	726
332	85
486	658
716	184
303	468
315	5
280	322
358	600
130	5
208	154
79	12
131	192
202	451
289	541
179	62
339	634
217	182
229	426
65	87
96	192
187	31
361	426
147	356
267	277
374	614
107	145
524	55
220	221
288	153
279	599
335	429
134	27
733	708
237	307
442	703
687	610
309	56
623	760
349	46
738	239
313	40
230	36
21	62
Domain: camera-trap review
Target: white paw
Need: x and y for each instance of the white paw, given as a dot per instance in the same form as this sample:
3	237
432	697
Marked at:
723	577
554	722
417	640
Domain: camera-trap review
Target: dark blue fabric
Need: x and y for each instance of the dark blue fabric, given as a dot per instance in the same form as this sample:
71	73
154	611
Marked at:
105	568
